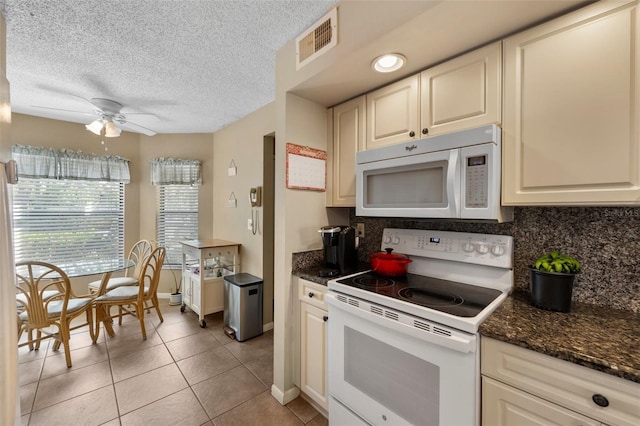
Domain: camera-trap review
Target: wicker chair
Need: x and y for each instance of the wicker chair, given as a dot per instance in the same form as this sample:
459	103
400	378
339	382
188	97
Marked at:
139	253
45	299
131	299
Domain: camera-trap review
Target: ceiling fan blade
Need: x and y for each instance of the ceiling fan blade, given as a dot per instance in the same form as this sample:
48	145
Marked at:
127	125
148	114
65	110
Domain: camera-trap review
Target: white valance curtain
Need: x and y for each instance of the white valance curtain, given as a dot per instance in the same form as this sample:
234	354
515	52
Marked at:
49	163
175	171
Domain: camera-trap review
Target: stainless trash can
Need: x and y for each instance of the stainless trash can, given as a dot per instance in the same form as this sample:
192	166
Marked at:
243	306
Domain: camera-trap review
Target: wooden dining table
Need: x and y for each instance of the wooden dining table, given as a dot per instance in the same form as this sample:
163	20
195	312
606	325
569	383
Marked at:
103	267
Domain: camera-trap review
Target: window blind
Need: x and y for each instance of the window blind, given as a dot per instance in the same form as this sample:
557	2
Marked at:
177	219
58	221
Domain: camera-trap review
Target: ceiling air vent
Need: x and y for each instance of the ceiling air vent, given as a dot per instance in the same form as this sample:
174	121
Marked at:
318	39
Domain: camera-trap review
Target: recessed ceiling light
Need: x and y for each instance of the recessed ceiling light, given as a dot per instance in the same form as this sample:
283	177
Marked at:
388	62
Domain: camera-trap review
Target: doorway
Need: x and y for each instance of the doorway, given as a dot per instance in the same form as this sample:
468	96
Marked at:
268	239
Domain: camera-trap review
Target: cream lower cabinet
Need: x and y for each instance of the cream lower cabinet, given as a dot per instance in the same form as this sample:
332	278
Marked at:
506	406
523	387
462	93
571	117
313	342
349	134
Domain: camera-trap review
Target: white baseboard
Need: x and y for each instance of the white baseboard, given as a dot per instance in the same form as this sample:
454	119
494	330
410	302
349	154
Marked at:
267	327
284	397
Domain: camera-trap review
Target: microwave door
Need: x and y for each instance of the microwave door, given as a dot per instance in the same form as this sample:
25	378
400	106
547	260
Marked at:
422	185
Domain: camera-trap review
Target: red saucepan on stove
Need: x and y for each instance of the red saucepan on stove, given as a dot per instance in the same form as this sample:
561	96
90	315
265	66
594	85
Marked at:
389	264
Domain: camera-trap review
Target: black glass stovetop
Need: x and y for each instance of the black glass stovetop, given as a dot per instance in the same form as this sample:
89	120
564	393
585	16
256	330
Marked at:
459	299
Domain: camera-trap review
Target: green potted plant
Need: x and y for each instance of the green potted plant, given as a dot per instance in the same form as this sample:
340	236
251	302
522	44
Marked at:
551	281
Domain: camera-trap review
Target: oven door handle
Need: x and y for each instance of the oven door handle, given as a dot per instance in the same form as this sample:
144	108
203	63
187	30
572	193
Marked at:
459	341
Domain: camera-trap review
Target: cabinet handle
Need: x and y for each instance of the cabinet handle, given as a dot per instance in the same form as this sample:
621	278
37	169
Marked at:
311	294
425	131
600	400
412	133
325	318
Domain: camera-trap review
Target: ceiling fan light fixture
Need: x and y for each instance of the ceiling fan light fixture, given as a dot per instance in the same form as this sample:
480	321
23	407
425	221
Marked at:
388	62
111	130
95	127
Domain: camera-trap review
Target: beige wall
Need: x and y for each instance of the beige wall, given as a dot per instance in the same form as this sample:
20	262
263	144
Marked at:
242	144
140	195
298	216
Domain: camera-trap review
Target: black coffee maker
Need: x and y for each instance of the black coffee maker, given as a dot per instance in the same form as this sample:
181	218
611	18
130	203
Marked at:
340	252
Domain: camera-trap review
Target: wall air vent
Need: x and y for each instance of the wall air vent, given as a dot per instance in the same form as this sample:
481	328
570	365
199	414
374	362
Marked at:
318	39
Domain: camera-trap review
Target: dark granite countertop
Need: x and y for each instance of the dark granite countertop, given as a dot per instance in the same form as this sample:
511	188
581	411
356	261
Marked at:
311	273
596	337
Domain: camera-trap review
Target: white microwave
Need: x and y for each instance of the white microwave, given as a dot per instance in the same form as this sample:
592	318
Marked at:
454	175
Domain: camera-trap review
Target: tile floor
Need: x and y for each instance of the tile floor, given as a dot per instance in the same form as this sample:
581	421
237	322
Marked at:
182	374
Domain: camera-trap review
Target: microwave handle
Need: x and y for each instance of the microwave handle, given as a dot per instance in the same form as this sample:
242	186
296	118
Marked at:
454	182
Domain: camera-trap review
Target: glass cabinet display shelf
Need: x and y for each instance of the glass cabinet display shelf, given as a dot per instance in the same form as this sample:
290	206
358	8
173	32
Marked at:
205	263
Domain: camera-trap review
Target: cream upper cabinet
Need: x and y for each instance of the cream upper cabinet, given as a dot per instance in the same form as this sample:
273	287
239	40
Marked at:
571	123
349	135
392	113
463	92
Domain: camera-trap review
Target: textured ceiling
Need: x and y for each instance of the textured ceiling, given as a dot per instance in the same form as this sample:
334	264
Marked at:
197	66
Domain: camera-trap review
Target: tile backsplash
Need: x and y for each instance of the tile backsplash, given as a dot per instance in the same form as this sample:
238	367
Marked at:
606	240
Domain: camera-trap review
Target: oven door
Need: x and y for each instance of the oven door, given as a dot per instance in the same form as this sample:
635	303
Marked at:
421	185
390	370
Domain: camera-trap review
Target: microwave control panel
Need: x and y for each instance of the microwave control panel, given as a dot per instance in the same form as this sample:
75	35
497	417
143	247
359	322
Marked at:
477	181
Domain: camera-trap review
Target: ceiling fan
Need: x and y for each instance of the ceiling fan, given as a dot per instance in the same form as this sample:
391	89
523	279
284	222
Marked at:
110	121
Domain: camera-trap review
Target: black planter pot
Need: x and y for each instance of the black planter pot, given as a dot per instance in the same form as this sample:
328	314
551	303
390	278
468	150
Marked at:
551	290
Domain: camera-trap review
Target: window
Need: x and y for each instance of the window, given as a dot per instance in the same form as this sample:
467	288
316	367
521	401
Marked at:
177	219
58	220
178	183
67	204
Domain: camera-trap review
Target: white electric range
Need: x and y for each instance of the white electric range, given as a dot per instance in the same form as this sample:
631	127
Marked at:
405	350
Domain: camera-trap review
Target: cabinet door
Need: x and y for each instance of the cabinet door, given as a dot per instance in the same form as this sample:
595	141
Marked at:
462	93
571	106
186	289
349	130
195	293
392	113
313	347
503	405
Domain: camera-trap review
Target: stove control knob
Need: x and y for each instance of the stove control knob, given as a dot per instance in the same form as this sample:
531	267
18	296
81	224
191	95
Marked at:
395	240
468	247
386	239
482	248
497	250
